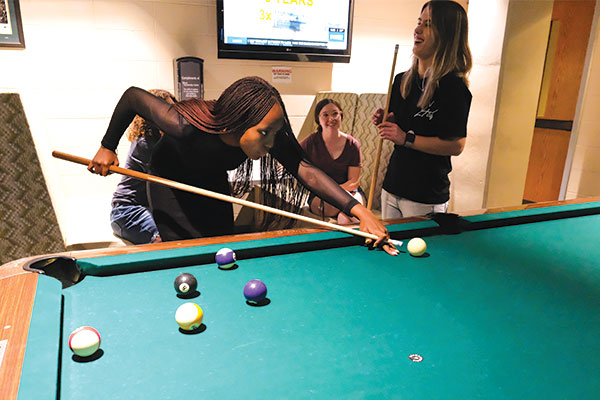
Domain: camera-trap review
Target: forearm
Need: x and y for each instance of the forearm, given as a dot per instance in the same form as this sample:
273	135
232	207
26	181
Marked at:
324	187
427	144
353	179
360	211
350	185
439	147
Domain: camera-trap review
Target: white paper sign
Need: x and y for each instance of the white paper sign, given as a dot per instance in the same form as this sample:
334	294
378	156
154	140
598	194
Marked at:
282	74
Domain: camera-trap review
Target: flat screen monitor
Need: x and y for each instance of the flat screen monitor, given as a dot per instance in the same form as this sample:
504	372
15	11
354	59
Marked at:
293	30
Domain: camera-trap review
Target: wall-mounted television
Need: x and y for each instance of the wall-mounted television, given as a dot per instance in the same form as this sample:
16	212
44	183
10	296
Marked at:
293	30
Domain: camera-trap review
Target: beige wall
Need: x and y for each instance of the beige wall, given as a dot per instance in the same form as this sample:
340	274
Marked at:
487	22
378	26
82	54
525	40
584	174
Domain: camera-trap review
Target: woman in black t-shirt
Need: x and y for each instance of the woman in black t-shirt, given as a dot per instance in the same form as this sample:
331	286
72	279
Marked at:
427	120
203	140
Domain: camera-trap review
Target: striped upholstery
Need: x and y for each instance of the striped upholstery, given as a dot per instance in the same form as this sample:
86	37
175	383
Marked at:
29	225
366	133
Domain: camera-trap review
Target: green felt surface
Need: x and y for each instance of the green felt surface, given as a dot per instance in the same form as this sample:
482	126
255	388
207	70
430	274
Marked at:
499	313
580	207
161	259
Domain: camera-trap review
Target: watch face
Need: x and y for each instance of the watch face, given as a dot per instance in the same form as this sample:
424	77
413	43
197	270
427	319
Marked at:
410	137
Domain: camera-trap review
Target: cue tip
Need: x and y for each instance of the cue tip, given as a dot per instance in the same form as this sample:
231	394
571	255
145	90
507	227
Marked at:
397	243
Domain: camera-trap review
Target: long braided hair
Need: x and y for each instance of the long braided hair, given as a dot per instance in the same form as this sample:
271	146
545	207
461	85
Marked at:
241	106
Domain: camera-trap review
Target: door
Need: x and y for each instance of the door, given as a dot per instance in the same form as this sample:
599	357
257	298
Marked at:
565	59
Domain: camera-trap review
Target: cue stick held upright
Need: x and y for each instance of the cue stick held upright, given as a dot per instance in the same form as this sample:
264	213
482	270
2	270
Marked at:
380	143
220	196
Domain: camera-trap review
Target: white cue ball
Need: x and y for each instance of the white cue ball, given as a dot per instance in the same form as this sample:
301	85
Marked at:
416	247
84	341
189	316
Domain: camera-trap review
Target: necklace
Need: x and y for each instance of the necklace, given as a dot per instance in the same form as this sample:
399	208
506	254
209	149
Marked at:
421	83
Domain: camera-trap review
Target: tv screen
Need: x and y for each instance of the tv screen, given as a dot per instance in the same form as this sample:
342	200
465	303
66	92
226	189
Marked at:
293	30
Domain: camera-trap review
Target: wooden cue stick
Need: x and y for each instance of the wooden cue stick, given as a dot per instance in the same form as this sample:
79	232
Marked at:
380	143
219	196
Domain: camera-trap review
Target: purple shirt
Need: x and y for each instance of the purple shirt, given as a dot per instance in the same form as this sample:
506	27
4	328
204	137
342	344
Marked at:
337	169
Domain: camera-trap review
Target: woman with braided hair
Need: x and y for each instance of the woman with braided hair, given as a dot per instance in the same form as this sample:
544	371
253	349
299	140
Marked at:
203	140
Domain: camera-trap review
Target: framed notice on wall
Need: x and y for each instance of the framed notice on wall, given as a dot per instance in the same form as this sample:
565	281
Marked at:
189	78
11	28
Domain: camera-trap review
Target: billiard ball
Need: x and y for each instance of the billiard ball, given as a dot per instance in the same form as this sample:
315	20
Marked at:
255	291
189	316
84	341
225	258
186	283
416	247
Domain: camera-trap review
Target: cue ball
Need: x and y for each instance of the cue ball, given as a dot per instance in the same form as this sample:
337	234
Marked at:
416	247
255	291
189	316
84	341
185	283
225	258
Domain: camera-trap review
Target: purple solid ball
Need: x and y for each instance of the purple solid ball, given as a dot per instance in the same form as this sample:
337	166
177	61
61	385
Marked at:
255	291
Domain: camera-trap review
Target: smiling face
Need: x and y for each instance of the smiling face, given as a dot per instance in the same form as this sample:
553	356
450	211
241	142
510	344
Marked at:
330	117
259	139
424	38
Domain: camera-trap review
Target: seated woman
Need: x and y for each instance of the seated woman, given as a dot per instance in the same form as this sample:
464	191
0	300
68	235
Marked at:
337	154
130	217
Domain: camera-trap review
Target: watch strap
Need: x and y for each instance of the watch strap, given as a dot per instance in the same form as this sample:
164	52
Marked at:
410	139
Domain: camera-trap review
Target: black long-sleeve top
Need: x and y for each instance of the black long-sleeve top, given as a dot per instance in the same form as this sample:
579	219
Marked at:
413	174
189	155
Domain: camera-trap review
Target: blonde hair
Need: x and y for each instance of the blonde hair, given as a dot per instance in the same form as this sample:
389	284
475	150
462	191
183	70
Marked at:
452	54
139	126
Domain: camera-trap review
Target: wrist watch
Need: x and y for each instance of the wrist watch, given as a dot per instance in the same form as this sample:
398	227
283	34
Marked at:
410	139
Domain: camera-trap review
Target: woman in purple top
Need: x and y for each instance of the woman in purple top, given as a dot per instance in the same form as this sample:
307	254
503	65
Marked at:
337	154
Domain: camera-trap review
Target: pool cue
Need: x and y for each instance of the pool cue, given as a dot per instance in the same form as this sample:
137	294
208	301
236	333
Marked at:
220	196
380	144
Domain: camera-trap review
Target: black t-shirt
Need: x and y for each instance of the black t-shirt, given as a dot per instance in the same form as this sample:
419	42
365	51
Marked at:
419	176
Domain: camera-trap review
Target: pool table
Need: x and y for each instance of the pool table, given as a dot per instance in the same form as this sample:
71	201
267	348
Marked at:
503	305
